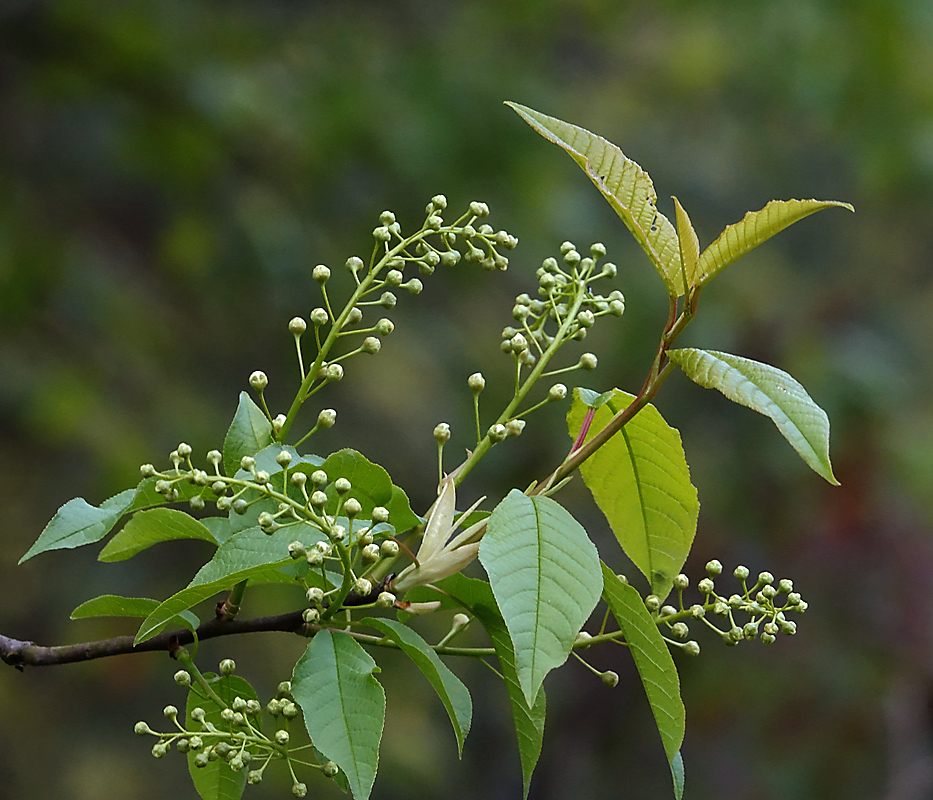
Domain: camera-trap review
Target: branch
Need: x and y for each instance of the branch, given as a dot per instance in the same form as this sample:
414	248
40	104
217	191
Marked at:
18	653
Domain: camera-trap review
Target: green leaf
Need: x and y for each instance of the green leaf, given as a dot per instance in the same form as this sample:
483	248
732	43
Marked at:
249	433
768	391
343	706
624	184
147	528
476	596
756	227
453	694
248	555
544	573
216	781
372	487
112	605
78	523
655	667
641	482
147	497
689	244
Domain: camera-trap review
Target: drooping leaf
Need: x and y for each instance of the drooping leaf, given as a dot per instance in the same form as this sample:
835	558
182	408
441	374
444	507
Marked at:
641	482
689	244
216	781
544	573
146	528
249	432
768	391
78	523
112	605
756	227
477	597
450	689
624	184
147	497
655	667
248	555
343	706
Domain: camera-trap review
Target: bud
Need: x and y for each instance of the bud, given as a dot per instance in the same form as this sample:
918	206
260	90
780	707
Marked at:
381	235
297	326
380	514
588	361
370	345
362	587
713	568
388	300
692	648
766	578
480	210
319	317
320	273
741	573
680	630
442	433
557	392
497	433
681	581
706	586
514	427
652	602
476	382
354	264
318	499
297	550
227	666
330	769
258	380
170	712
385	599
389	548
310	615
371	553
326	418
182	678
315	594
786	586
142	728
582	640
609	678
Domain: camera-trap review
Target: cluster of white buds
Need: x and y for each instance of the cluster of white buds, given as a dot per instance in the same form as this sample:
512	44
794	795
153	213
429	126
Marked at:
766	604
234	734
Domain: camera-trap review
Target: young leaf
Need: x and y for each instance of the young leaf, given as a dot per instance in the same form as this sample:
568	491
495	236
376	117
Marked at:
147	528
544	572
641	482
78	523
112	605
689	244
450	689
655	667
477	597
756	227
249	433
216	781
624	184
343	705
248	555
768	391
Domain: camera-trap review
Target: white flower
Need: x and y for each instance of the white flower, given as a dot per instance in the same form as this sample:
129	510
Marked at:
438	557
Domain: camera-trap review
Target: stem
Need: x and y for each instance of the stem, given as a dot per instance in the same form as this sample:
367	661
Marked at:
184	657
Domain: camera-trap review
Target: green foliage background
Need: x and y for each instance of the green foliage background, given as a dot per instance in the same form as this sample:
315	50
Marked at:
171	171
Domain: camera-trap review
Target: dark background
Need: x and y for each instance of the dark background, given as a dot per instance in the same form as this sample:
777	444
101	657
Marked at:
170	172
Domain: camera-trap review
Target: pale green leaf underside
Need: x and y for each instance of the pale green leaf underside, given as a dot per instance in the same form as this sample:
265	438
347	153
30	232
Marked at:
450	689
343	706
688	242
641	482
754	228
217	781
78	523
248	555
146	528
655	667
768	391
624	184
477	596
544	573
249	432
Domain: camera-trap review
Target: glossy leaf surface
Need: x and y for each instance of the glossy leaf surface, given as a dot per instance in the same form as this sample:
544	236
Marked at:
249	432
641	482
769	391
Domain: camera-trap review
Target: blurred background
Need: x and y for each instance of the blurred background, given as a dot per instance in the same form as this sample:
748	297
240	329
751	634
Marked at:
172	171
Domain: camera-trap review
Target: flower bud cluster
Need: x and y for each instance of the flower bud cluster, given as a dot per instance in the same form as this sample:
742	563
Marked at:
764	606
234	734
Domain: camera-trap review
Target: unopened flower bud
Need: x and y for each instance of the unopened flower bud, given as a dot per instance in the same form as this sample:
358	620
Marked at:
480	210
692	648
389	548
388	300
385	326
297	326
609	678
330	769
557	392
258	380
741	573
142	728
476	382
319	317
333	372
442	433
381	235
385	600
310	615
497	433
320	273
680	630
588	361
362	587
370	345
514	427
326	418
147	470
182	678
681	581
766	578
582	640
706	586
371	553
227	666
652	602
